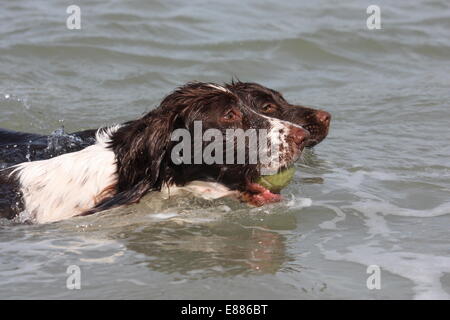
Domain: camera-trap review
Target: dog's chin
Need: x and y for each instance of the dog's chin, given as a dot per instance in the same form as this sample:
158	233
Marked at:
312	142
316	140
318	134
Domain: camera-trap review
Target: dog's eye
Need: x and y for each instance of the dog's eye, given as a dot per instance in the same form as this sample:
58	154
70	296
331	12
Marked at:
268	107
230	116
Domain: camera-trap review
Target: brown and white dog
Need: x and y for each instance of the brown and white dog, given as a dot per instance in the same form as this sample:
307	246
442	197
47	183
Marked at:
127	161
17	147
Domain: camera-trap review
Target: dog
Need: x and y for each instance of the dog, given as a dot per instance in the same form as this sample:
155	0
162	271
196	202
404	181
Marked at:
17	147
129	160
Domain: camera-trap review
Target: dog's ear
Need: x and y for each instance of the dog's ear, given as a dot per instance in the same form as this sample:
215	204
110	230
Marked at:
142	149
132	195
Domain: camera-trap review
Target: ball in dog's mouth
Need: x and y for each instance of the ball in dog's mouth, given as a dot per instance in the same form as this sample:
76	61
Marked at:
276	182
267	189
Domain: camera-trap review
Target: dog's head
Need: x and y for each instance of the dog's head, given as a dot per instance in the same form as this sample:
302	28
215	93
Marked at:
217	136
202	131
271	103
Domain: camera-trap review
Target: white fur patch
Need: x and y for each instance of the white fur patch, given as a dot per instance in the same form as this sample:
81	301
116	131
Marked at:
277	135
215	86
67	185
103	135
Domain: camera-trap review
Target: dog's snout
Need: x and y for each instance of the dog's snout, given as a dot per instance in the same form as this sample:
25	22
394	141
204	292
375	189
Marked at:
299	136
323	117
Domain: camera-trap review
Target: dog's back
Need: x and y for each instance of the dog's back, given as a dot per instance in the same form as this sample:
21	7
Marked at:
17	147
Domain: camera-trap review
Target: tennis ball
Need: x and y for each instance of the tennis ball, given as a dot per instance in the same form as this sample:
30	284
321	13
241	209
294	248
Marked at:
278	181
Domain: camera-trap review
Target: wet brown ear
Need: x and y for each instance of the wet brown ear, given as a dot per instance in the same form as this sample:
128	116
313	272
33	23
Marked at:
141	149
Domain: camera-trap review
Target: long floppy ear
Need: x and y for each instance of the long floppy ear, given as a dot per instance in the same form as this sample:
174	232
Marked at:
141	147
142	157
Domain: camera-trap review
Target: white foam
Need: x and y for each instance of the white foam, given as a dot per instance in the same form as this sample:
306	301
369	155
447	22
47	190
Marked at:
162	216
386	208
423	270
331	224
298	203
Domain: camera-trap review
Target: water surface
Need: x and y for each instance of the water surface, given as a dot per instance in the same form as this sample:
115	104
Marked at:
375	192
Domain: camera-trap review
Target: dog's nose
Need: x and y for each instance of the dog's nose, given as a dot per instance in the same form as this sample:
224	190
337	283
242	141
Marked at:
323	117
300	136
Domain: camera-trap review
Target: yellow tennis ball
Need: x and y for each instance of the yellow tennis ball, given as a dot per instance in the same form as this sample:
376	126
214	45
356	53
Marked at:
276	182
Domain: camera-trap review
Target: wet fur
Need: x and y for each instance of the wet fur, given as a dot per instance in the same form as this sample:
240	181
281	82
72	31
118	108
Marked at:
129	160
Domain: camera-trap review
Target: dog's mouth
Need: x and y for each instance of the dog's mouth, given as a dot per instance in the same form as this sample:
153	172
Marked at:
258	195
